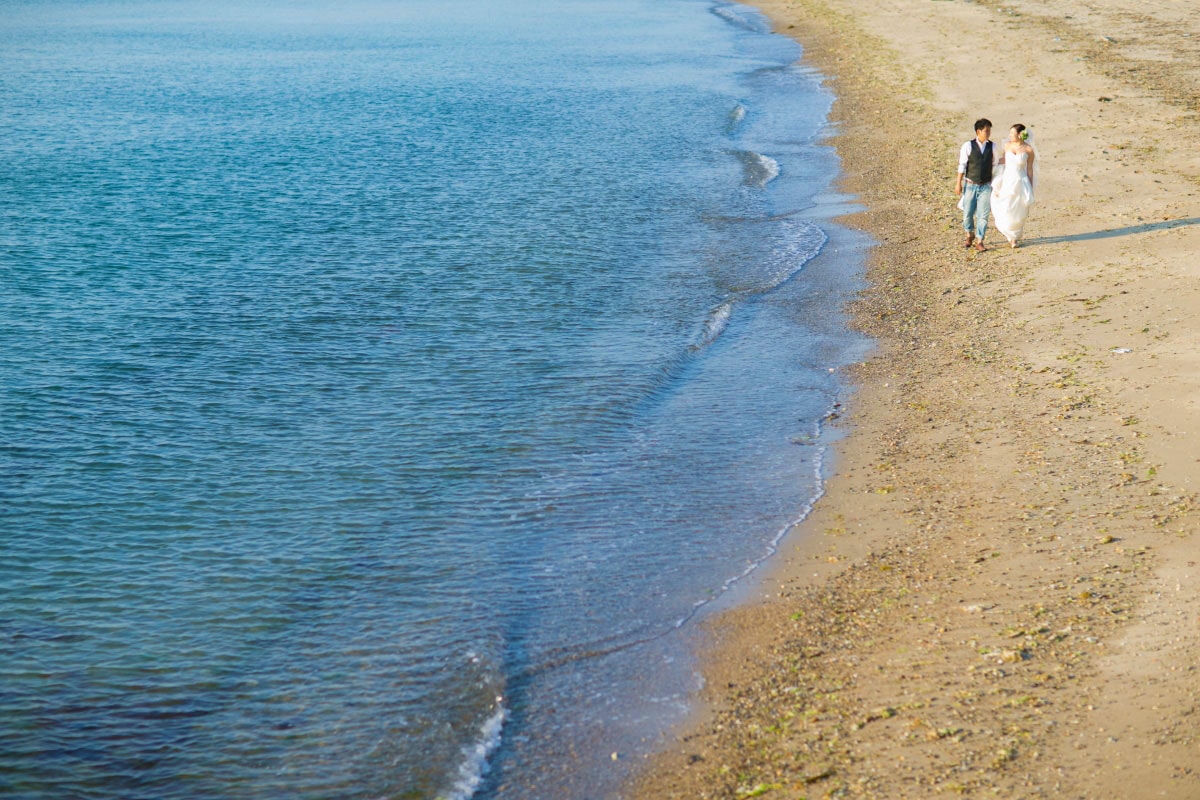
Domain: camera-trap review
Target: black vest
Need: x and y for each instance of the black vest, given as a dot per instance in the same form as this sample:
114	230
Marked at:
979	164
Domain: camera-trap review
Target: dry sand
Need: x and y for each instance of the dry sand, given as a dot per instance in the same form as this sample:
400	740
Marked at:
998	595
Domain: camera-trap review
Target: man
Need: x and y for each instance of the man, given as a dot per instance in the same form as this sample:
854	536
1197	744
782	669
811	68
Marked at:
975	162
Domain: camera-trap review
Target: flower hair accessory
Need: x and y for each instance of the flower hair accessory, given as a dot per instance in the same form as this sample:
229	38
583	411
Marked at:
1024	135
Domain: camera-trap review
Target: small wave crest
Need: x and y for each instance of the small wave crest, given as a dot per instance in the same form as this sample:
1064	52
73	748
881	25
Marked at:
742	17
736	115
475	762
597	648
757	169
716	324
799	242
792	244
772	547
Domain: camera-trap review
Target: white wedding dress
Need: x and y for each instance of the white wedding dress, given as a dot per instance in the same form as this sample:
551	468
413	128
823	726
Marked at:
1012	195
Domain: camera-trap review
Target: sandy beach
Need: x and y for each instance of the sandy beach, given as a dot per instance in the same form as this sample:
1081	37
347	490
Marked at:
998	595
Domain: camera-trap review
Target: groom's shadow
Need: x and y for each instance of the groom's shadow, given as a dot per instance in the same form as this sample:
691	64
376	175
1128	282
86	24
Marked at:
1114	232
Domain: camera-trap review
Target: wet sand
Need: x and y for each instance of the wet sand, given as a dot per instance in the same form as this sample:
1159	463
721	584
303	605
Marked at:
998	596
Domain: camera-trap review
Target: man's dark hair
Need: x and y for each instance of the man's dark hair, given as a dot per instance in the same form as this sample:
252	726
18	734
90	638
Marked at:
980	124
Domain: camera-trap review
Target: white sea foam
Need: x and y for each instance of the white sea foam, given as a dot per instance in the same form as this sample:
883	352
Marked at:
475	756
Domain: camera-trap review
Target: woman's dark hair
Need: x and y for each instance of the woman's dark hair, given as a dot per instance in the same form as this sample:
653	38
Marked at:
980	124
1019	128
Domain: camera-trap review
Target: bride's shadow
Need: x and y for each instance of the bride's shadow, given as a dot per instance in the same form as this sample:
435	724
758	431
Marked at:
1114	232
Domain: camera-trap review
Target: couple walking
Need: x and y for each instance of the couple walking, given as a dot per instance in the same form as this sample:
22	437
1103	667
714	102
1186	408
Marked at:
1007	192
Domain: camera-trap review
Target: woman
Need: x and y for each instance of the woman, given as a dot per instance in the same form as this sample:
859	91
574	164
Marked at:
1013	194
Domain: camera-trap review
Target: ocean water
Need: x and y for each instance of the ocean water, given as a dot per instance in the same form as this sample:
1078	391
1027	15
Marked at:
386	387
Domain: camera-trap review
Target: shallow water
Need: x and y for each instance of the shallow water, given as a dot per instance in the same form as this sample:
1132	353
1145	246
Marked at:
381	386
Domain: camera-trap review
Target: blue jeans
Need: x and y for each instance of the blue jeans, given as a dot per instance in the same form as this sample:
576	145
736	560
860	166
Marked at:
977	203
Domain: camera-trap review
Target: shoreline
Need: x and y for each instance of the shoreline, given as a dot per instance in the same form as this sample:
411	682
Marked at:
995	596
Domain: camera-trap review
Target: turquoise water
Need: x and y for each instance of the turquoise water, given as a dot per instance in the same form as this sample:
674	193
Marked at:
385	386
